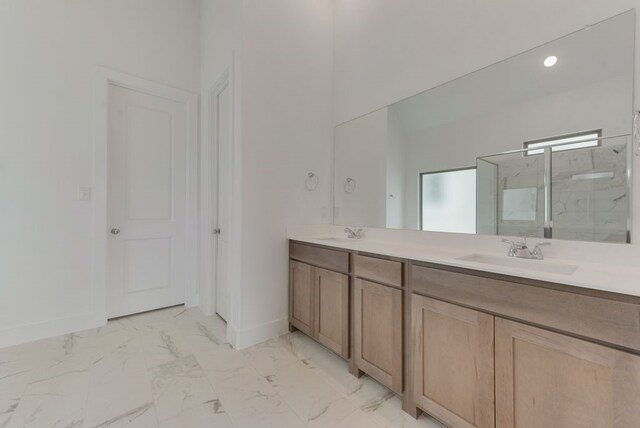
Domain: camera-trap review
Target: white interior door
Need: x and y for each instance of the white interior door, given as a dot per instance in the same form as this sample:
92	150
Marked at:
146	212
222	141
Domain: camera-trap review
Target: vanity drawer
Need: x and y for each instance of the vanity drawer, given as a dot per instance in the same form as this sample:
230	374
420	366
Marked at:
318	256
610	321
379	270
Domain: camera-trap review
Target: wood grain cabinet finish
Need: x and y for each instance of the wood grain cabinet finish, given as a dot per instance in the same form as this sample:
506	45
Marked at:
378	270
463	362
546	379
332	310
601	318
378	332
301	296
453	363
326	258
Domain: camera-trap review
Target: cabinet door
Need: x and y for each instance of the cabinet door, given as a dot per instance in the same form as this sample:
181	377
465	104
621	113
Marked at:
332	310
378	332
453	363
301	294
546	379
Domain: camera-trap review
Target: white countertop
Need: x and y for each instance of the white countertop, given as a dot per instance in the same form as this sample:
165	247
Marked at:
598	276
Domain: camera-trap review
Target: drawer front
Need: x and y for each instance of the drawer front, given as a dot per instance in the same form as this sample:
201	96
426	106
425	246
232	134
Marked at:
608	321
321	257
379	270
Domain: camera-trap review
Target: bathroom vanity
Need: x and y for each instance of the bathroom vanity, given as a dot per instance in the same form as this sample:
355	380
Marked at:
469	346
479	339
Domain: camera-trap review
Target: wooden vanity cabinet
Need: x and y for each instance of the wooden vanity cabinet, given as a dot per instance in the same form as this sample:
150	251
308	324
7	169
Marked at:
378	319
332	310
473	349
478	361
301	297
319	295
453	357
378	332
546	379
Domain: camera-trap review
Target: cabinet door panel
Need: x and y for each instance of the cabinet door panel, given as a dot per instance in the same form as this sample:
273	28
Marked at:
332	310
301	294
549	379
378	332
453	363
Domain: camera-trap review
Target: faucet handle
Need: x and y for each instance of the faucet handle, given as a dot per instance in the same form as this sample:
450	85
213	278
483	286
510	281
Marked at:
537	252
354	232
541	244
512	244
515	244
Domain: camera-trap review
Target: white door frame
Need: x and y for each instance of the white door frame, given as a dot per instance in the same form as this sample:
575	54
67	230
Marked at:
103	78
209	195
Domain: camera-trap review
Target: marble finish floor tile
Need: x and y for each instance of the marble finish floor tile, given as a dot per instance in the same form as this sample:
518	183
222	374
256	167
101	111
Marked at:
173	368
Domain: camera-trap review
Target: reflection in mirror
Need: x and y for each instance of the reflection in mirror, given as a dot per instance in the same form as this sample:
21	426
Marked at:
448	201
415	161
570	192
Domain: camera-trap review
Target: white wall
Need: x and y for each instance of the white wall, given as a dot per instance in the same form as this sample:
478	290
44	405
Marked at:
286	133
49	53
386	51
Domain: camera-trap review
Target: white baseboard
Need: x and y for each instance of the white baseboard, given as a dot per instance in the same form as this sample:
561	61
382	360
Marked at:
243	338
42	330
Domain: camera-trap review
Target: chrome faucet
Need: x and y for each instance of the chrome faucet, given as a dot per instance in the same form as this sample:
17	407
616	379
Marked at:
354	232
521	250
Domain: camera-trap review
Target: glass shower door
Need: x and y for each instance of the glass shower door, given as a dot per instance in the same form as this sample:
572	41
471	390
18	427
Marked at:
511	194
579	194
590	192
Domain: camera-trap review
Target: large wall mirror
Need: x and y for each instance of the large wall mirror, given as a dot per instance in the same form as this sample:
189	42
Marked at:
536	145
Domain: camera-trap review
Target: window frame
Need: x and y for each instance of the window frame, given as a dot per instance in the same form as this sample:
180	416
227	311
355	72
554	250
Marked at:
420	192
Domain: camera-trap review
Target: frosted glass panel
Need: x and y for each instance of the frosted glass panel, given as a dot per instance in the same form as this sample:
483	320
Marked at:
449	201
519	204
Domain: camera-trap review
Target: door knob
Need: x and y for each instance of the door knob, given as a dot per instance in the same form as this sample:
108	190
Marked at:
216	231
115	231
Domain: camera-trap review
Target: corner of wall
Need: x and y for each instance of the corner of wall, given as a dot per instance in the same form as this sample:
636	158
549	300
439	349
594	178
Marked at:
246	337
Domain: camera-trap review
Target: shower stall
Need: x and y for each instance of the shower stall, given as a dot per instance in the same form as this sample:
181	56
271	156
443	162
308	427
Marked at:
577	190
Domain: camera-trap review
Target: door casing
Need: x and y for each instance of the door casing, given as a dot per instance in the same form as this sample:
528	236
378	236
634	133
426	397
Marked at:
103	78
208	185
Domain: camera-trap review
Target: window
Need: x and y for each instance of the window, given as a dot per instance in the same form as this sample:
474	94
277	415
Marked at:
448	201
580	141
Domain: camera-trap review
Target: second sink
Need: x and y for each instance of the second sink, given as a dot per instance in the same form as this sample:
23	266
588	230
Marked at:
530	265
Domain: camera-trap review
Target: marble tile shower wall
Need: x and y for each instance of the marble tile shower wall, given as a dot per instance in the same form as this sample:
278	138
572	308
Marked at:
594	209
583	208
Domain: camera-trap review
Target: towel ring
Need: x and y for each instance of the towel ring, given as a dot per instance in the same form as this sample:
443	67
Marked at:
312	181
349	185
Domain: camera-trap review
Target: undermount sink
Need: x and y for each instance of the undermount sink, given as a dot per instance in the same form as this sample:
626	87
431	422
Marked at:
334	239
524	264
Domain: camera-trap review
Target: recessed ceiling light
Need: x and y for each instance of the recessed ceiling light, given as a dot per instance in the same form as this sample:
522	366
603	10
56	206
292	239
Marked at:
550	61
